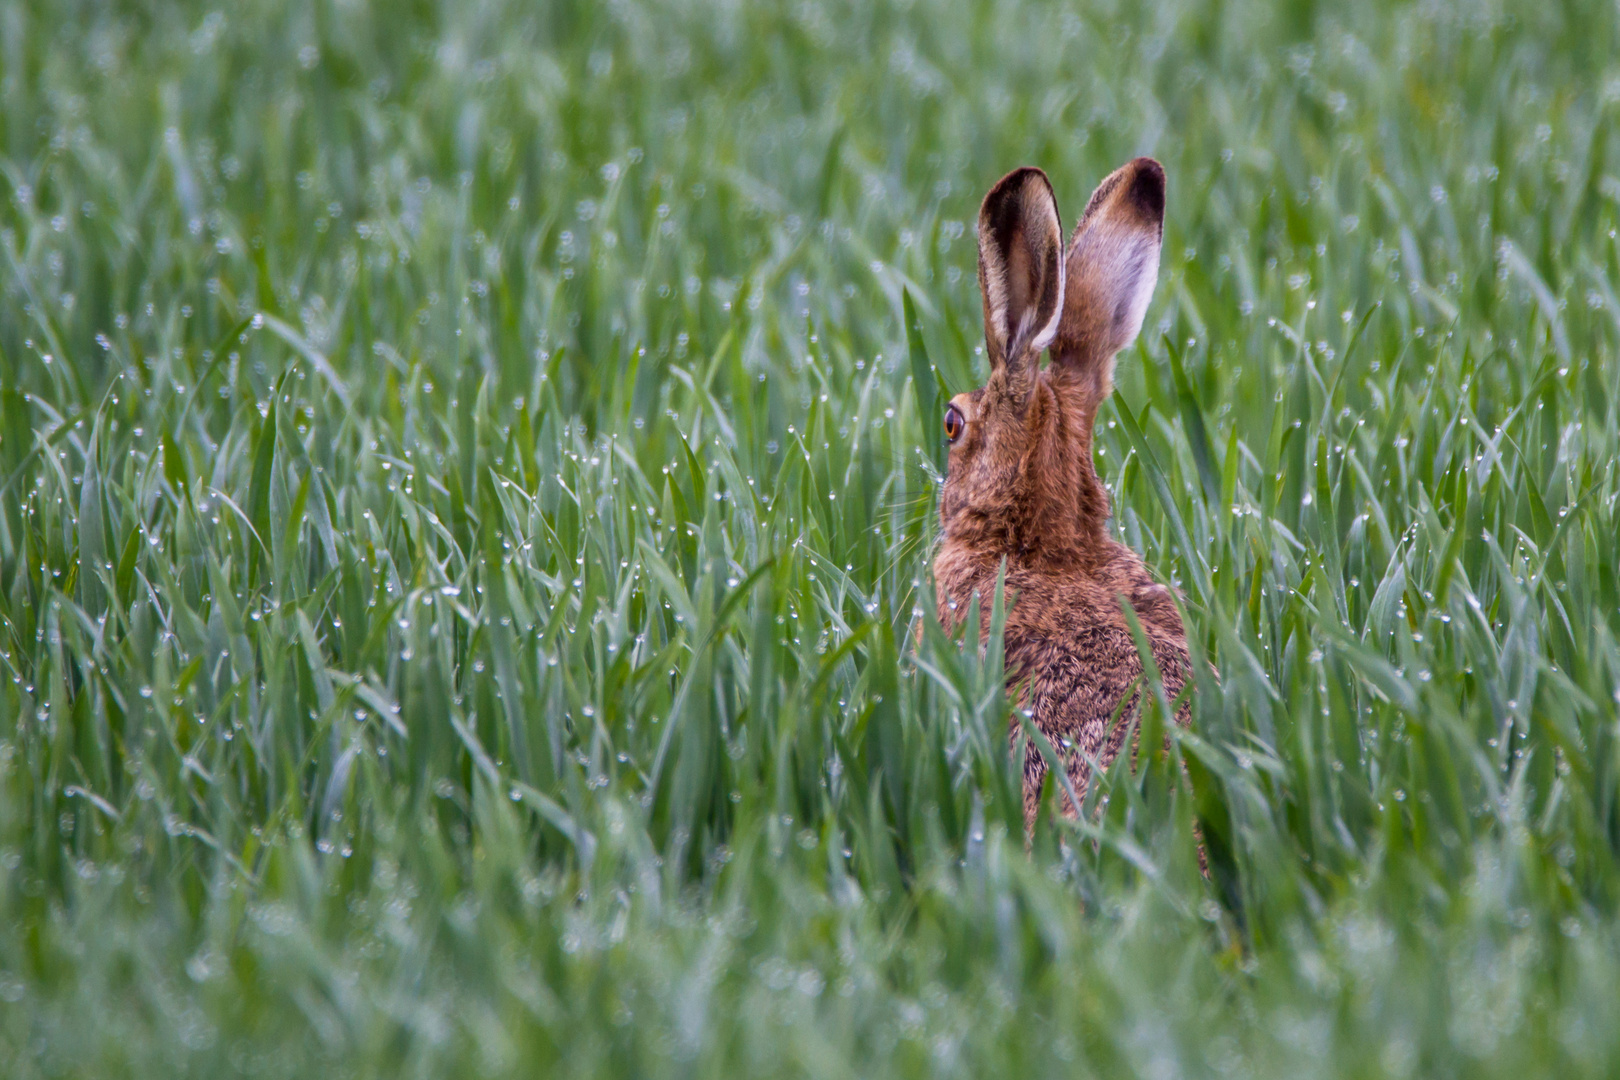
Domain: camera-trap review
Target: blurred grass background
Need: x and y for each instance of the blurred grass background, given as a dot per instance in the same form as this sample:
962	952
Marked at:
469	477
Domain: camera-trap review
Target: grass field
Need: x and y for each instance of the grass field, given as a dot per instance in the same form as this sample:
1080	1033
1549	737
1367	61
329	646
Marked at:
469	477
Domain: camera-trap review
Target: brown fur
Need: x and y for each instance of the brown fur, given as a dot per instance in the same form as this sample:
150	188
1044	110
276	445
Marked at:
1022	485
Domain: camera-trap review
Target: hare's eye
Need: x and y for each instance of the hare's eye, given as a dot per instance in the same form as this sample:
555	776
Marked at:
954	423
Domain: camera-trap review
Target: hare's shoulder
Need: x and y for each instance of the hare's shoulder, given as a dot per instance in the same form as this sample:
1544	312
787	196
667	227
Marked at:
1154	604
1083	608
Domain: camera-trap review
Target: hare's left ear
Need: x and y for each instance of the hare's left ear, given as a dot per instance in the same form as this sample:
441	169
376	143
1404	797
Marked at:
1113	265
1020	269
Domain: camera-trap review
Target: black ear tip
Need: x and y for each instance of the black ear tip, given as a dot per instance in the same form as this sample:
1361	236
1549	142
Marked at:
1009	204
1145	188
1031	174
1015	184
1022	175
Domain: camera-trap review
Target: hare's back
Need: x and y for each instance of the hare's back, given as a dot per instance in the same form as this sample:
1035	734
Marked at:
1083	688
1069	642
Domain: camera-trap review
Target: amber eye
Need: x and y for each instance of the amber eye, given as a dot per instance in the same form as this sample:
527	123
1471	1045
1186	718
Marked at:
955	424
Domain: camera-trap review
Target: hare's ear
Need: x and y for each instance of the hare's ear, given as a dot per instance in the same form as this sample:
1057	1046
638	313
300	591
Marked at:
1020	268
1113	265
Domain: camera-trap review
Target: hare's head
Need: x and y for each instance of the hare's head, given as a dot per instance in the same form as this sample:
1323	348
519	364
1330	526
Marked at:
1021	481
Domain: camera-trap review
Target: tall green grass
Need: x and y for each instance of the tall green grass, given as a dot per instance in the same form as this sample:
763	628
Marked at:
468	487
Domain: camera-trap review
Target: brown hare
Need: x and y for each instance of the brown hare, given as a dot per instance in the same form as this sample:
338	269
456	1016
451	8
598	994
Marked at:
1021	486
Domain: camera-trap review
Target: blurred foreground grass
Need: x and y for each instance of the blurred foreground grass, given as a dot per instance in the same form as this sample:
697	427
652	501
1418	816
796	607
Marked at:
466	514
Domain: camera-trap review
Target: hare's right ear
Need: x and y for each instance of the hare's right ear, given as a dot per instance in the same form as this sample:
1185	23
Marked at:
1020	269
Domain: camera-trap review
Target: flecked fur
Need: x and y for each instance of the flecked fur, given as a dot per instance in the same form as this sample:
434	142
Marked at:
1022	485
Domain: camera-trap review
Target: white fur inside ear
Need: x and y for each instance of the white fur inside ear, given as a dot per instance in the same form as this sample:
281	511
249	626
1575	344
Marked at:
1137	277
1043	337
995	288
